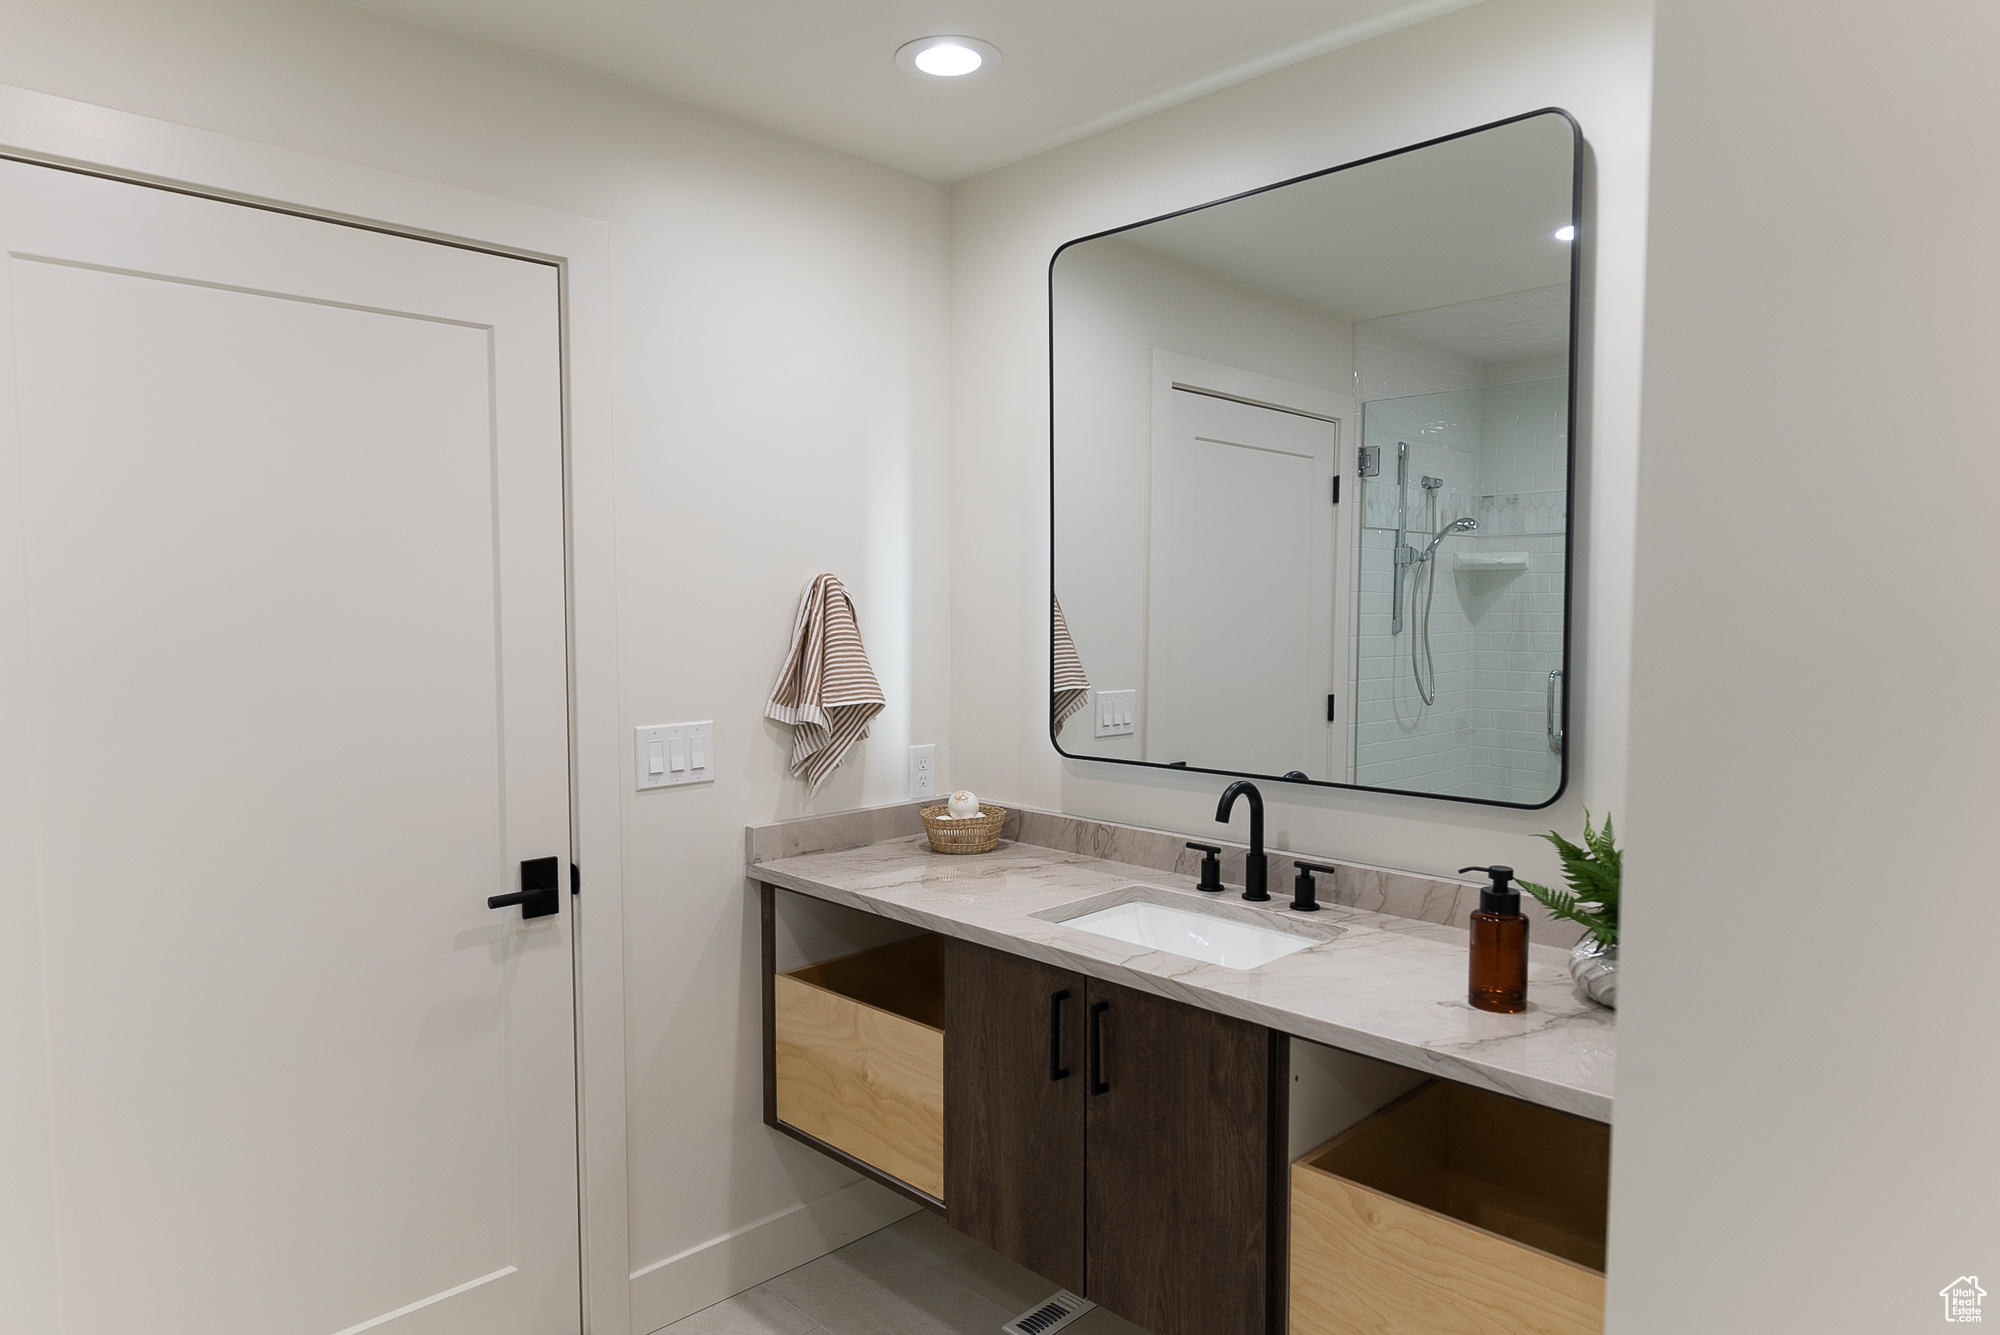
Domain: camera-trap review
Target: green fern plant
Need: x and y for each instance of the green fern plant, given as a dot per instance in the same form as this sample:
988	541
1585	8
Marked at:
1592	872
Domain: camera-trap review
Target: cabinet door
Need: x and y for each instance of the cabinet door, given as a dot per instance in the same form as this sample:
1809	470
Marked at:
1185	1134
1013	1078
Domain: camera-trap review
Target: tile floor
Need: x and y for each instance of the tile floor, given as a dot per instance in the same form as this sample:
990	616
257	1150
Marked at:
915	1277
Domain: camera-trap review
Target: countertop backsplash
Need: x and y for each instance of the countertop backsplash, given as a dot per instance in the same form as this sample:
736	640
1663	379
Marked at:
1445	900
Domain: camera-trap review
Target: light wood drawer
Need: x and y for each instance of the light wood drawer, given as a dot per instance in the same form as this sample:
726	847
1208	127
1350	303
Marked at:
1456	1212
860	1057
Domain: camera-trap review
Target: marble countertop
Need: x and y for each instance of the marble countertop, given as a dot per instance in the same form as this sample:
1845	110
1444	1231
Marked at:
1386	987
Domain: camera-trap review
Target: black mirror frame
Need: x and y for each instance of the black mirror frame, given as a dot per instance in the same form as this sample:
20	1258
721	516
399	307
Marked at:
1578	242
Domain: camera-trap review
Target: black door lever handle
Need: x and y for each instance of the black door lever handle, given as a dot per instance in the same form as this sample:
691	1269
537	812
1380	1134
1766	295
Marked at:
537	895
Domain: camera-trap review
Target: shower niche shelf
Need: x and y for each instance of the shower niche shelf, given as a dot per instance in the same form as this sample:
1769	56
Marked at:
1512	563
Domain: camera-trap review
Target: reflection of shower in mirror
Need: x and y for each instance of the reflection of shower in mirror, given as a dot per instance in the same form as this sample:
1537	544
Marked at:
1425	672
1450	693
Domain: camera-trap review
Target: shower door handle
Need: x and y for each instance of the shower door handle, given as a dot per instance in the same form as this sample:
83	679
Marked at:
1555	732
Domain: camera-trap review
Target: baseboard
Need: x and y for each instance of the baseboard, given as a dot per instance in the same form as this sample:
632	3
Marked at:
701	1276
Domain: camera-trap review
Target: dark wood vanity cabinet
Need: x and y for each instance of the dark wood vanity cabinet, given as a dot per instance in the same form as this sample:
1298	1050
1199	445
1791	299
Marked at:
1185	1143
1127	1147
1014	1090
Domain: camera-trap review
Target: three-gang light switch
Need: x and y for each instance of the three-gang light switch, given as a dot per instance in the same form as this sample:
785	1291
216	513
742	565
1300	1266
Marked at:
674	753
1117	713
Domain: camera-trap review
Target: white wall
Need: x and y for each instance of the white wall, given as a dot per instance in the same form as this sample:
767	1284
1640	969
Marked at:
1807	1137
1493	60
779	341
1118	303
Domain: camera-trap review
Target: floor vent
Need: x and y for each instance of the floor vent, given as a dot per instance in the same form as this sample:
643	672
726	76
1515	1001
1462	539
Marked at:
1052	1315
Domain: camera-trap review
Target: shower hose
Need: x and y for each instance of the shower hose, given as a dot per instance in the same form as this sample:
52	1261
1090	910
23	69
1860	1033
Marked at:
1421	666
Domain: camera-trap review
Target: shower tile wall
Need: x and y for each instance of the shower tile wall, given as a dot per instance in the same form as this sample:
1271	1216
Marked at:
1495	433
1524	452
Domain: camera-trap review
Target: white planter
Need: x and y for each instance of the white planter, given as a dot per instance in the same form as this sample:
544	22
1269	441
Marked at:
1595	968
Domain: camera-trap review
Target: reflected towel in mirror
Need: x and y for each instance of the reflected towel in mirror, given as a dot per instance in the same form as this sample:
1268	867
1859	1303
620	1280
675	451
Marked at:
827	690
1068	685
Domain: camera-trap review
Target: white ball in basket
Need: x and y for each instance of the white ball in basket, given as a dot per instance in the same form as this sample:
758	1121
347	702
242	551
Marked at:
963	805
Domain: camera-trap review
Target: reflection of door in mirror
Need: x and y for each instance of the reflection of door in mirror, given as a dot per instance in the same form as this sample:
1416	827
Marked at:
1242	580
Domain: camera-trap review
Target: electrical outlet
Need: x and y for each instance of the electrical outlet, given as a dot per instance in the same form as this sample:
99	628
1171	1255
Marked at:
1117	713
923	773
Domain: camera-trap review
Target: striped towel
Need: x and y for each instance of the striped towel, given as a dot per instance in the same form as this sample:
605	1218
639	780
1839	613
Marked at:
1067	685
827	691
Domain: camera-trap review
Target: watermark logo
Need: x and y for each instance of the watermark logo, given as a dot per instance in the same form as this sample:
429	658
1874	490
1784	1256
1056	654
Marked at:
1961	1298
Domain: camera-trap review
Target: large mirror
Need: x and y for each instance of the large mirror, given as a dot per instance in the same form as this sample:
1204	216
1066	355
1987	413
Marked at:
1312	465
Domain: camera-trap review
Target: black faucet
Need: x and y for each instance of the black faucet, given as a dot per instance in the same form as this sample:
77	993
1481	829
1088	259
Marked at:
1254	863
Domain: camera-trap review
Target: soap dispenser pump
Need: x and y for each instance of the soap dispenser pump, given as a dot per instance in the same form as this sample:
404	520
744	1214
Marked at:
1499	973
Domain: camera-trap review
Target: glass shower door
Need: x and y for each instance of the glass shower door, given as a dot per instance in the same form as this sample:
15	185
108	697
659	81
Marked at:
1458	635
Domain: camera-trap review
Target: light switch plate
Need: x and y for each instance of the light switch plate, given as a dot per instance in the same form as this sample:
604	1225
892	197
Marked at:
666	755
1117	713
923	773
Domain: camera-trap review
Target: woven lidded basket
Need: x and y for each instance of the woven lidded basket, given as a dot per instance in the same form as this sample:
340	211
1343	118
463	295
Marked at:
974	834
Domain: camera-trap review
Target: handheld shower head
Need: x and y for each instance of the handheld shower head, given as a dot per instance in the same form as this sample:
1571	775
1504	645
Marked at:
1455	526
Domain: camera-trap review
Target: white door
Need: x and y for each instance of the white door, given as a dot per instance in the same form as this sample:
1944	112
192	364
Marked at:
282	702
1242	586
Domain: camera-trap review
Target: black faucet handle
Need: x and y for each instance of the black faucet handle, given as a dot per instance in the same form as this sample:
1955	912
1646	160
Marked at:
1304	892
1211	867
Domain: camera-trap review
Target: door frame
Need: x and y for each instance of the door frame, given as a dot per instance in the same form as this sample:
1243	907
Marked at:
59	132
1174	370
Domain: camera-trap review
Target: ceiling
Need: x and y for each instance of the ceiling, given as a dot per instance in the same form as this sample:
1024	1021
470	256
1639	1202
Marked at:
1496	329
824	70
1462	221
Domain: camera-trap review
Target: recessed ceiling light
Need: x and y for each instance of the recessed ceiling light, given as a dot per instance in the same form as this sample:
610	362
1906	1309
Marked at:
1565	233
947	57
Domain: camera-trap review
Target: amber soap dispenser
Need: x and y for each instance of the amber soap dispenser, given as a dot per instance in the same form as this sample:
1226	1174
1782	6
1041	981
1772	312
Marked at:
1499	975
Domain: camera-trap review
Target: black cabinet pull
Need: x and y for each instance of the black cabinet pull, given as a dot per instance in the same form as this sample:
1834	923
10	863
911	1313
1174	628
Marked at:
1057	1071
537	895
1097	1085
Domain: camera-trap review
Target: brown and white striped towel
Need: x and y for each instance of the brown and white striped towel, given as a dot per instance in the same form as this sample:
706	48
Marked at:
1067	685
827	691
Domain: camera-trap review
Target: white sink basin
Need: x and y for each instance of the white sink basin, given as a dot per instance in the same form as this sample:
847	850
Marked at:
1192	934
